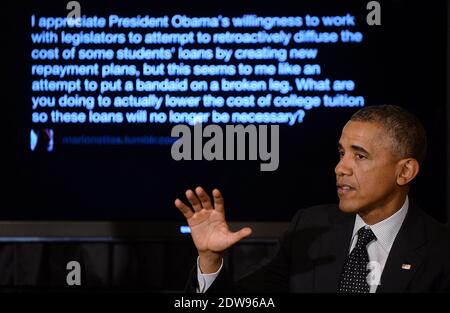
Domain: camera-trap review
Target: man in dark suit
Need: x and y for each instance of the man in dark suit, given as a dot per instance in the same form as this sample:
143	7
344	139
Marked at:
375	240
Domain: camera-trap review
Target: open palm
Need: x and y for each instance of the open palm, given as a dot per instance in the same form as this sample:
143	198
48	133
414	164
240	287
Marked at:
209	228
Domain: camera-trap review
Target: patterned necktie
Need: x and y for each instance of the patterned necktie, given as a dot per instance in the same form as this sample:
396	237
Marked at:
354	273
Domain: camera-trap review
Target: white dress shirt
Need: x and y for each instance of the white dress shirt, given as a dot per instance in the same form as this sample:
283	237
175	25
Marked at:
385	231
206	280
378	250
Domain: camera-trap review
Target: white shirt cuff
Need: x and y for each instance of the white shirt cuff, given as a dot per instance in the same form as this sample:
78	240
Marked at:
206	280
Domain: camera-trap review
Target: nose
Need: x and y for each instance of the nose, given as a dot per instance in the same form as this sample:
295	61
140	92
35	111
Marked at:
343	167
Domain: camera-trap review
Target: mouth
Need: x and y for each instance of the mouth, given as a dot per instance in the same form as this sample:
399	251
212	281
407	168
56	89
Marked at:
344	189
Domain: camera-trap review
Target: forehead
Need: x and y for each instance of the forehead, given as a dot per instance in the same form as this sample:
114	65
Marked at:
365	134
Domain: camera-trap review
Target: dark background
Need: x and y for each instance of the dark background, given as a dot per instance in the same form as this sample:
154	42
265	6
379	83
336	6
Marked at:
402	62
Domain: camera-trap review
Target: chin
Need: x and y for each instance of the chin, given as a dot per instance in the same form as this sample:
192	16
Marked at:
349	207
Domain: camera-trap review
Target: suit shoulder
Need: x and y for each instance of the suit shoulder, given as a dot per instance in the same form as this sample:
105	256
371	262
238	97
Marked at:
436	231
317	215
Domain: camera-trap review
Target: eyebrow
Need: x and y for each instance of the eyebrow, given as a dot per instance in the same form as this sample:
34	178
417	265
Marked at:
354	148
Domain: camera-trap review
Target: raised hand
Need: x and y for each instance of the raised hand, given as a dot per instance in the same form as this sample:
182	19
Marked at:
209	228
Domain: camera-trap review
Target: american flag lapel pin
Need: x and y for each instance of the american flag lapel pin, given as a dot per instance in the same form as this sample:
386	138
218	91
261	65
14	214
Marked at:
406	266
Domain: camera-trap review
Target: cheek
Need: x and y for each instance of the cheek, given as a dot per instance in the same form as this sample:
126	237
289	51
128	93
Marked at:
374	180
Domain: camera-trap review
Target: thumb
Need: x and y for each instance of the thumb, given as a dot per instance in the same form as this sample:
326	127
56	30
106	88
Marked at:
239	235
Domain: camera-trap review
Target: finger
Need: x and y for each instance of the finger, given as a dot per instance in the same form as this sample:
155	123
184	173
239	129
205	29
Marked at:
241	234
187	212
218	201
204	198
193	200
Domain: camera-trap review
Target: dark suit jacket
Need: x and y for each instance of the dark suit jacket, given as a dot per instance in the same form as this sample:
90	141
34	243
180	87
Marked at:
311	255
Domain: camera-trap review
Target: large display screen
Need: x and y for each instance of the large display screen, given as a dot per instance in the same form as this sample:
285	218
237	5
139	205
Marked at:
96	90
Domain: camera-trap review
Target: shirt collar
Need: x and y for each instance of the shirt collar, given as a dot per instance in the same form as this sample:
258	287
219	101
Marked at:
387	229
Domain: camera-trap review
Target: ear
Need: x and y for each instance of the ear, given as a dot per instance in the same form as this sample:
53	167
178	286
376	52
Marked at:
407	171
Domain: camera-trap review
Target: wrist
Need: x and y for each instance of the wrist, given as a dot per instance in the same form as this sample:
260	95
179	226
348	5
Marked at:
210	262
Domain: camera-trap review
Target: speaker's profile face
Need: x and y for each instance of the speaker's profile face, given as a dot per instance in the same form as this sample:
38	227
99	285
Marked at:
366	172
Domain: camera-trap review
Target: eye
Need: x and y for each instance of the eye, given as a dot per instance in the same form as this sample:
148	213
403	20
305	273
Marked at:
360	156
341	153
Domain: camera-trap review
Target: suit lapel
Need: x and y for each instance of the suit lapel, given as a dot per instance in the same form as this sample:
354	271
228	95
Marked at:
334	247
404	257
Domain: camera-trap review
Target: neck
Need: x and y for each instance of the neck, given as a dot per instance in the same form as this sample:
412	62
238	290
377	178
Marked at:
383	211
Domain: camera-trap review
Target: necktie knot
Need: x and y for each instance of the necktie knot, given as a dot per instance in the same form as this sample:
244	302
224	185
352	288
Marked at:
365	235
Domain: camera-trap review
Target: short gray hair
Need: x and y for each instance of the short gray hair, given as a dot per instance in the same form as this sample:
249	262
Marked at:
406	131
